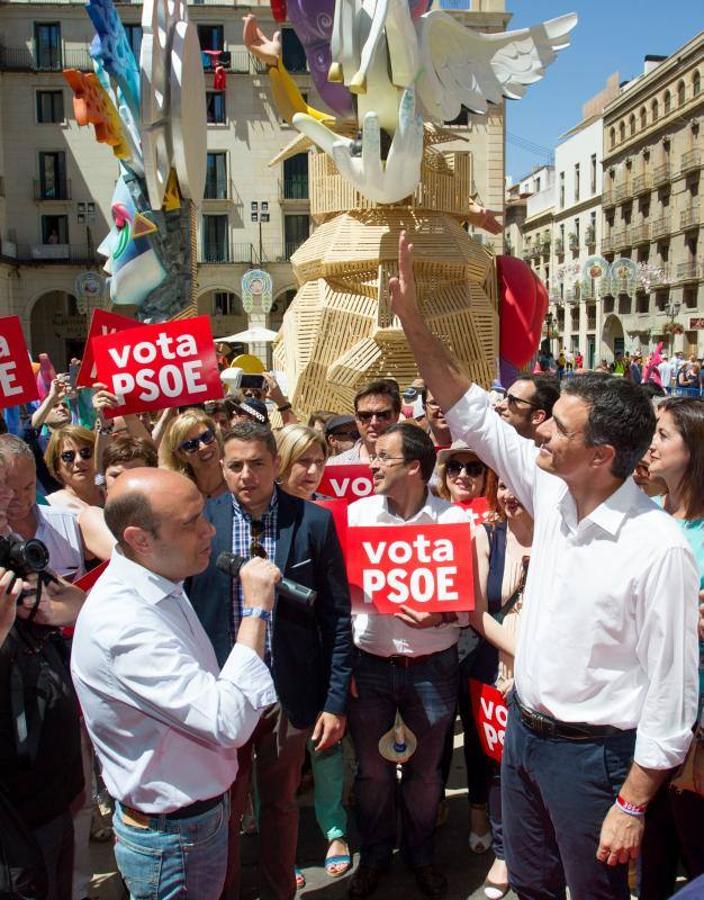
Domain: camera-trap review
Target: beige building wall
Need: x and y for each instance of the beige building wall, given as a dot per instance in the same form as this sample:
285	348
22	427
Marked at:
40	289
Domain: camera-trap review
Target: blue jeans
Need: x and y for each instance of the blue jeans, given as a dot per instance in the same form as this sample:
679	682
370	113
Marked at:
555	795
425	694
173	858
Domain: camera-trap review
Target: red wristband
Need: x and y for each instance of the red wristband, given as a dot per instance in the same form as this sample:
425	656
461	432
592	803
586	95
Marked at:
631	809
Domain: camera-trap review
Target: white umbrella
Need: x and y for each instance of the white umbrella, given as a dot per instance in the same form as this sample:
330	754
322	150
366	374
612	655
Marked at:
254	335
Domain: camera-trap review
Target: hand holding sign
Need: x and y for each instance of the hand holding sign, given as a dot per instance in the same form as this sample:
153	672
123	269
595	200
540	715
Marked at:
159	366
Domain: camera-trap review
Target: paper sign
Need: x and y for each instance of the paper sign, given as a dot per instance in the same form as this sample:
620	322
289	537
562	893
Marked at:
102	323
338	508
490	715
477	510
347	482
427	567
86	582
17	382
158	366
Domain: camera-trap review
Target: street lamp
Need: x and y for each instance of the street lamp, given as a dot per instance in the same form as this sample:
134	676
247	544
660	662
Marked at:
671	310
260	214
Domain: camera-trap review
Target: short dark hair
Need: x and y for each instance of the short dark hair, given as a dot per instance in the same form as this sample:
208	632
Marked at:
547	390
620	414
130	508
416	445
688	415
124	448
651	389
384	387
250	431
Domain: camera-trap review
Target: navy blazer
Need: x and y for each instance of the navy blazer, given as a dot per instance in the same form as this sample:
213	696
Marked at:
311	647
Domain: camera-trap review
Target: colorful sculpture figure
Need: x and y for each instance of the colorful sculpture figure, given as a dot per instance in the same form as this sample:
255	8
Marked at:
403	71
152	113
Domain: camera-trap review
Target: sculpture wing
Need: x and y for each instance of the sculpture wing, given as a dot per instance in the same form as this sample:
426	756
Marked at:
460	66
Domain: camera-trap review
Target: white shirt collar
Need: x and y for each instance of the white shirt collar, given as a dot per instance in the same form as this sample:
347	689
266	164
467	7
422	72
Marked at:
152	587
428	508
609	515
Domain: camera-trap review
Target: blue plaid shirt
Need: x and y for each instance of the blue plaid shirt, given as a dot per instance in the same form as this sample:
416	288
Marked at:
241	541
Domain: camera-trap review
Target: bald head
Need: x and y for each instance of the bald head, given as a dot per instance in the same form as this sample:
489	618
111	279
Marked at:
143	498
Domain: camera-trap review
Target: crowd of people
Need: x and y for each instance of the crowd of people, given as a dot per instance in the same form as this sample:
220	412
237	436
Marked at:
217	657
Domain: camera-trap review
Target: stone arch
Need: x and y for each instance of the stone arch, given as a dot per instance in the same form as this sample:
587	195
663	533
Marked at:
56	327
612	337
282	301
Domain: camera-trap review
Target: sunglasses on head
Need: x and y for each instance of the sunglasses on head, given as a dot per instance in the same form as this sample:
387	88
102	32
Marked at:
352	435
192	444
384	415
473	468
256	548
68	456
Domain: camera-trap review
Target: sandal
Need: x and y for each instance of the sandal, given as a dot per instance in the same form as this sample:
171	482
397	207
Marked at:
300	879
479	842
341	862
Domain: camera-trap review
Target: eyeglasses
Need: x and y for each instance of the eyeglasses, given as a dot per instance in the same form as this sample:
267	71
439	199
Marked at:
385	460
513	401
473	468
384	415
192	444
256	548
68	456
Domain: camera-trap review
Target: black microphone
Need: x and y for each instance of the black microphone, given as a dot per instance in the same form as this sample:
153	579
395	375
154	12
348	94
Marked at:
231	564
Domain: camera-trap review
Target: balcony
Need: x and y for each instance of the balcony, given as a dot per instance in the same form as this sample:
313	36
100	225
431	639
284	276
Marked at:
619	238
661	276
661	174
607	243
545	247
53	253
607	197
60	190
688	271
25	59
660	227
218	188
621	191
642	184
691	160
224	254
281	252
590	238
640	234
560	247
620	286
238	61
527	252
689	217
295	188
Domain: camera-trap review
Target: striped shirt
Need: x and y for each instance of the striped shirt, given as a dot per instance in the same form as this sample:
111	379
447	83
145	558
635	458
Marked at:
241	544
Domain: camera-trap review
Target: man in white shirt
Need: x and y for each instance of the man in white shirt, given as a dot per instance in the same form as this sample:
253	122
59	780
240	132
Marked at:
606	663
406	661
165	721
665	369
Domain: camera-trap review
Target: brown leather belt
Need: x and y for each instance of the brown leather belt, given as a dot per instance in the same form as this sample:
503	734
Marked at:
400	660
187	812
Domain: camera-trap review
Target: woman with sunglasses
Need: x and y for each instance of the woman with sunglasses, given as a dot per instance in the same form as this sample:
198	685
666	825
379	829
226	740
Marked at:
302	453
502	553
193	446
463	478
70	459
673	820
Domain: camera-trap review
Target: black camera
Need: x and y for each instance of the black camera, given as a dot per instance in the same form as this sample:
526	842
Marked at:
23	557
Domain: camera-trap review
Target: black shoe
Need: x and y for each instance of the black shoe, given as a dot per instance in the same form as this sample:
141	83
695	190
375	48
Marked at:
364	882
430	882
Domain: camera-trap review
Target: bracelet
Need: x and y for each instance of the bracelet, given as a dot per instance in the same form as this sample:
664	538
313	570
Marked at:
256	612
631	809
284	408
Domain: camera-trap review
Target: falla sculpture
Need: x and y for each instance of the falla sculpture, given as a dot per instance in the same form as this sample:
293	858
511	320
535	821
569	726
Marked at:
392	72
152	113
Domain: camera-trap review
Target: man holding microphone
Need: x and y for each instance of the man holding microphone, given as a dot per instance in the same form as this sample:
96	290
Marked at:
165	721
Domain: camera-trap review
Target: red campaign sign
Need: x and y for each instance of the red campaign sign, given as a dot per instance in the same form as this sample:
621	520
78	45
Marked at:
17	382
338	508
347	482
427	567
86	582
102	323
477	510
158	366
490	715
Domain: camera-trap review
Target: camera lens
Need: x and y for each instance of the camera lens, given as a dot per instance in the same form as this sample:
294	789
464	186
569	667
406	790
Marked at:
30	556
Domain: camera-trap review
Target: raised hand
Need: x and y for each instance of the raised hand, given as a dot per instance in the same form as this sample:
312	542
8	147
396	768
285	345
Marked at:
379	181
268	50
404	299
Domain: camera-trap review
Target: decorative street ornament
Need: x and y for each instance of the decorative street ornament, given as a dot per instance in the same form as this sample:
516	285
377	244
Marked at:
624	274
257	284
595	267
90	289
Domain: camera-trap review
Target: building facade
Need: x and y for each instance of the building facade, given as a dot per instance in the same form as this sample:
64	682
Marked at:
56	181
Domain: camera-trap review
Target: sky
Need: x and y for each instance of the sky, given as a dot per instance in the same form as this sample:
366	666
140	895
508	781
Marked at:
611	36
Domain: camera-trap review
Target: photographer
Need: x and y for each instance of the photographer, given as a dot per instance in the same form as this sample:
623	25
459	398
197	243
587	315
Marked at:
40	749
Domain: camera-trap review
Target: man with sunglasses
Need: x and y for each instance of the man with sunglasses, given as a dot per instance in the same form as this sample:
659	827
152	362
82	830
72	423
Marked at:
308	648
408	662
528	403
606	681
377	407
